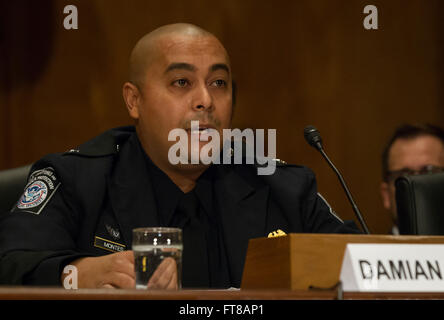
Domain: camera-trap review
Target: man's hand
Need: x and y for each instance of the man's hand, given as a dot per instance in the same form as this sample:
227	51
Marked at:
165	276
117	271
111	271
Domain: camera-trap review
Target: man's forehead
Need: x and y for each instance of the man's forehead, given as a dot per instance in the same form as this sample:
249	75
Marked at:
192	50
416	152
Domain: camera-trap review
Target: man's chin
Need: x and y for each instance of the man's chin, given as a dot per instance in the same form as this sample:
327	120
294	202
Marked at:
199	167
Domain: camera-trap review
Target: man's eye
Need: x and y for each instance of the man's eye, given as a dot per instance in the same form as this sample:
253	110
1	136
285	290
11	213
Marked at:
181	83
219	83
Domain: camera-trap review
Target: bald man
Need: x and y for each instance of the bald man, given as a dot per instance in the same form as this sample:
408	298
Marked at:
92	197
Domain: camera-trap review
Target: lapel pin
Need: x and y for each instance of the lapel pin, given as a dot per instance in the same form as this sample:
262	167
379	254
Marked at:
112	232
277	233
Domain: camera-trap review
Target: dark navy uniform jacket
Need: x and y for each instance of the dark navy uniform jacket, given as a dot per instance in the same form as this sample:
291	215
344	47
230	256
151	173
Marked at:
86	202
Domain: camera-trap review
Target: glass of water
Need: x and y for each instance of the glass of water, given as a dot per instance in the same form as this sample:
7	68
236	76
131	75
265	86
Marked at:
151	246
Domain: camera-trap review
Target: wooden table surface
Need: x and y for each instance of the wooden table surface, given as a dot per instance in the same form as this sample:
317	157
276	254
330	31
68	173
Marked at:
43	293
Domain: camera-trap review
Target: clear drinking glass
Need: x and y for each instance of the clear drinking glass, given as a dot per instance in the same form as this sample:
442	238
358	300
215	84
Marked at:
151	246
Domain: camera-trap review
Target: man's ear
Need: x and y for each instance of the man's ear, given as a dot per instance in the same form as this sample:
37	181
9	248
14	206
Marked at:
132	97
385	195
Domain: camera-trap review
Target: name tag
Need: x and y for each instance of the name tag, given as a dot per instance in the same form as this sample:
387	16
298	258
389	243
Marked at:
393	268
108	245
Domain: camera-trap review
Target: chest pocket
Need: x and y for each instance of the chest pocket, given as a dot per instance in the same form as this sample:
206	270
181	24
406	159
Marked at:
107	235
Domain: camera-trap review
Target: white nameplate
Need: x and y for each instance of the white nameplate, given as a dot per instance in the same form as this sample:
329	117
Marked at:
393	268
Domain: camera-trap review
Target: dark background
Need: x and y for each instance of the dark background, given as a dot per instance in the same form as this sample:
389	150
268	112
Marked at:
295	63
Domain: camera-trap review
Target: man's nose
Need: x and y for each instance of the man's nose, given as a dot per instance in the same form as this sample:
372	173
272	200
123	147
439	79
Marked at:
202	99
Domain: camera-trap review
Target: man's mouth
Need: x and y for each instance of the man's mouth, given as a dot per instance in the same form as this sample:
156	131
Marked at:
202	130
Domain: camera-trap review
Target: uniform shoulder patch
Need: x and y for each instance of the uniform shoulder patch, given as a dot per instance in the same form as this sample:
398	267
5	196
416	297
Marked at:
41	186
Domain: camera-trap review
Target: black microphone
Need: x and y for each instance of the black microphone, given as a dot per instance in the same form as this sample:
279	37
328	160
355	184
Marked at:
313	138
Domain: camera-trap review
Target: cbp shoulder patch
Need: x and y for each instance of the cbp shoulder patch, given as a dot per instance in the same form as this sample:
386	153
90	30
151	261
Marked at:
38	191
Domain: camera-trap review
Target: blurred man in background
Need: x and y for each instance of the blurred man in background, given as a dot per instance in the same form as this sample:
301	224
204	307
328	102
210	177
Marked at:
412	149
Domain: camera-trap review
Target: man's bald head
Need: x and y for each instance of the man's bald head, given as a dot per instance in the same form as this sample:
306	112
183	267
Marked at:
148	48
178	74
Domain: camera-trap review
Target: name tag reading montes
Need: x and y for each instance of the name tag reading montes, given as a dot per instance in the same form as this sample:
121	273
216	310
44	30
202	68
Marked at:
393	268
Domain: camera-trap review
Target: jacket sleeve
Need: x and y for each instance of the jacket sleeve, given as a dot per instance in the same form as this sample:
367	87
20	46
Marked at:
319	217
37	238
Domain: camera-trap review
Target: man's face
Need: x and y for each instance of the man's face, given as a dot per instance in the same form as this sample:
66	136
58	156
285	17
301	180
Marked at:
189	79
410	154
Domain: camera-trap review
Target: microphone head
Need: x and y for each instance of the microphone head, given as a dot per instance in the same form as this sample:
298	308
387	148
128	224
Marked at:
313	137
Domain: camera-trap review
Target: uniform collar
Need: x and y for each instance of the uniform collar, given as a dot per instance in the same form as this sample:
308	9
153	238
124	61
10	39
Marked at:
168	194
142	195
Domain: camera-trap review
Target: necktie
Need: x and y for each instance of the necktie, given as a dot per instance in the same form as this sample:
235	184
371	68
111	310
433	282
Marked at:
195	272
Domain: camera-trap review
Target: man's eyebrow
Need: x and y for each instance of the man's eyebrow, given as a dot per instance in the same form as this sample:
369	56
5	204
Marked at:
219	66
180	65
